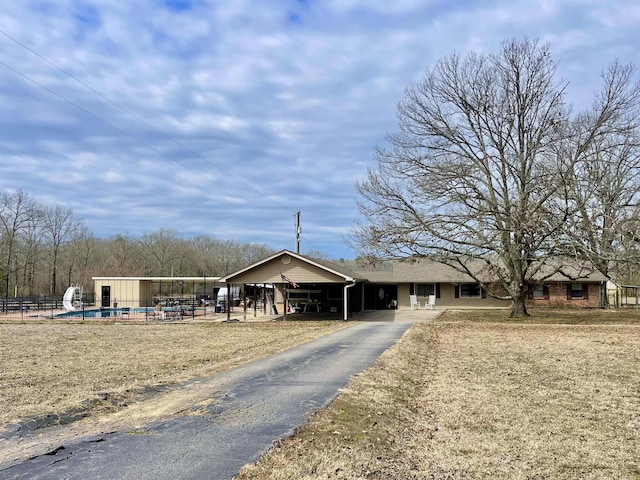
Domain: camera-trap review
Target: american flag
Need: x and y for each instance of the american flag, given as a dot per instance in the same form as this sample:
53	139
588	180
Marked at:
290	282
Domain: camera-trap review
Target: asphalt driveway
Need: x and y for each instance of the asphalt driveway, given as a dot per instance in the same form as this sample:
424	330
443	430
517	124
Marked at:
252	406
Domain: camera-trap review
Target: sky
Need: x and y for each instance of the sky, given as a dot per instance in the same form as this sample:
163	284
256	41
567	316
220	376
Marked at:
225	118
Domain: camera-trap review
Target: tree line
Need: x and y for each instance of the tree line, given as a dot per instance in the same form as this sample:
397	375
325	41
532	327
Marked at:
493	172
44	249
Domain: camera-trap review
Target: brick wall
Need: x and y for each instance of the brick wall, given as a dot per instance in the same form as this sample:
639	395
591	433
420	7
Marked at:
558	297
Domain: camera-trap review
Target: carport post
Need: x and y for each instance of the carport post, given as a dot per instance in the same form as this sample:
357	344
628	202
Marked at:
255	300
286	298
244	300
345	307
228	303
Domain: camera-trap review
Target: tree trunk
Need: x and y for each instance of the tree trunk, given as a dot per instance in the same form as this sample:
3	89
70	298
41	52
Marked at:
604	297
519	308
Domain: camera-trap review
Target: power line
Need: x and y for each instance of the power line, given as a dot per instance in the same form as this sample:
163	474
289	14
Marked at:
128	112
144	122
97	117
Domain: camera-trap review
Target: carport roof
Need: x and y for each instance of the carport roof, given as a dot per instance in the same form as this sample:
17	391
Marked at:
207	278
334	268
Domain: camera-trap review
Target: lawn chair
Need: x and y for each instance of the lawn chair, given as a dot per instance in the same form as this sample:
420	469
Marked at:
415	304
430	303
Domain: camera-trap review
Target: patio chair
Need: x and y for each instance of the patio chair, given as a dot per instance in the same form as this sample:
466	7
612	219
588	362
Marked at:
431	302
415	304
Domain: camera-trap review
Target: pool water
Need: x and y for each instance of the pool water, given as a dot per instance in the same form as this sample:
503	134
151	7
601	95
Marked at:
102	312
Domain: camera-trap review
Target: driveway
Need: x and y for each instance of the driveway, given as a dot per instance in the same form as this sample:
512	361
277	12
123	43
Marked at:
249	407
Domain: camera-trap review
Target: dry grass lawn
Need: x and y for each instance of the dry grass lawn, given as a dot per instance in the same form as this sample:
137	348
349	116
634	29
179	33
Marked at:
474	396
53	367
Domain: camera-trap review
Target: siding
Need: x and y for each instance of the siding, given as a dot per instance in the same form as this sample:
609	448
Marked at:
297	271
126	293
447	298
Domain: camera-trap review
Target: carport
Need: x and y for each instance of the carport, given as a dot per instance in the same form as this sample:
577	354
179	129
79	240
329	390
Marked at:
304	281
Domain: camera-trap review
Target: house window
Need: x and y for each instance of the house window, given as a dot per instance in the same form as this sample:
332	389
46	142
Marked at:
470	290
426	289
577	291
539	292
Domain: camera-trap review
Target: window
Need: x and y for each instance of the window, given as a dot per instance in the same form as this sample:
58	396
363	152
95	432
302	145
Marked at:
577	291
425	289
470	290
539	292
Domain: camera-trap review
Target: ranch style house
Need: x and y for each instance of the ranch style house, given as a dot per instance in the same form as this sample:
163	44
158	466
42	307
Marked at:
401	284
297	283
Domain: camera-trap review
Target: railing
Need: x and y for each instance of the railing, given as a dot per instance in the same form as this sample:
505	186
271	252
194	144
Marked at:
159	308
37	304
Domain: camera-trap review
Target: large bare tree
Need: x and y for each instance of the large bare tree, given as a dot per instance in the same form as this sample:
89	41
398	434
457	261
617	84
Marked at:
476	177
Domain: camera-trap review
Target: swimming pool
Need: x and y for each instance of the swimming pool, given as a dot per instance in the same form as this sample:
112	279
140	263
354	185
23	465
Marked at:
102	312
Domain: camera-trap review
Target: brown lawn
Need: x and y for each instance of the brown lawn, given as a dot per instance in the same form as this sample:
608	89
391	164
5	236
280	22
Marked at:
49	367
474	396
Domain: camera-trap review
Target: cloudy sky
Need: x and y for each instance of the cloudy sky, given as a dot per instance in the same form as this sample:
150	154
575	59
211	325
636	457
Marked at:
224	118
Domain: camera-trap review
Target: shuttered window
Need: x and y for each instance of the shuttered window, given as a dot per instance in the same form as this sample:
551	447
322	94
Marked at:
538	292
469	290
425	289
577	291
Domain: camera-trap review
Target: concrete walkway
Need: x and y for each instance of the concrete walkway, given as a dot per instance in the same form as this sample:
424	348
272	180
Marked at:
401	315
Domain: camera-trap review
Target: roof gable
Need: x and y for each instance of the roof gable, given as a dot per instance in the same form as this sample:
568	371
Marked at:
296	267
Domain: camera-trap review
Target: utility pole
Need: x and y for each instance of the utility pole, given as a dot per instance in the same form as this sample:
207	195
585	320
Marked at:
298	232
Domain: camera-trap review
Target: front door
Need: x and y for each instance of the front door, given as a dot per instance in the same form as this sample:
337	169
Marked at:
379	296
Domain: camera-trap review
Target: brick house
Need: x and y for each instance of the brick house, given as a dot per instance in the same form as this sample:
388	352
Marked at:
411	283
576	287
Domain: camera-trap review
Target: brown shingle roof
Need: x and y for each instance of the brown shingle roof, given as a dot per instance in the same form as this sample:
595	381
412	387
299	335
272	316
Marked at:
423	270
413	270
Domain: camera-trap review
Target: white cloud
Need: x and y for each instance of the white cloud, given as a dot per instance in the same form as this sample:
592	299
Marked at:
282	102
396	7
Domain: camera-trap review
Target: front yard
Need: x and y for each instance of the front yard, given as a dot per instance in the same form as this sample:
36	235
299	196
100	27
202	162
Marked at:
474	395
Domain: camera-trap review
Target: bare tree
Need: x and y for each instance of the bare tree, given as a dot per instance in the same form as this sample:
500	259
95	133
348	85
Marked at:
38	242
16	211
59	225
80	257
219	257
32	249
164	253
203	248
604	181
473	178
228	256
122	256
